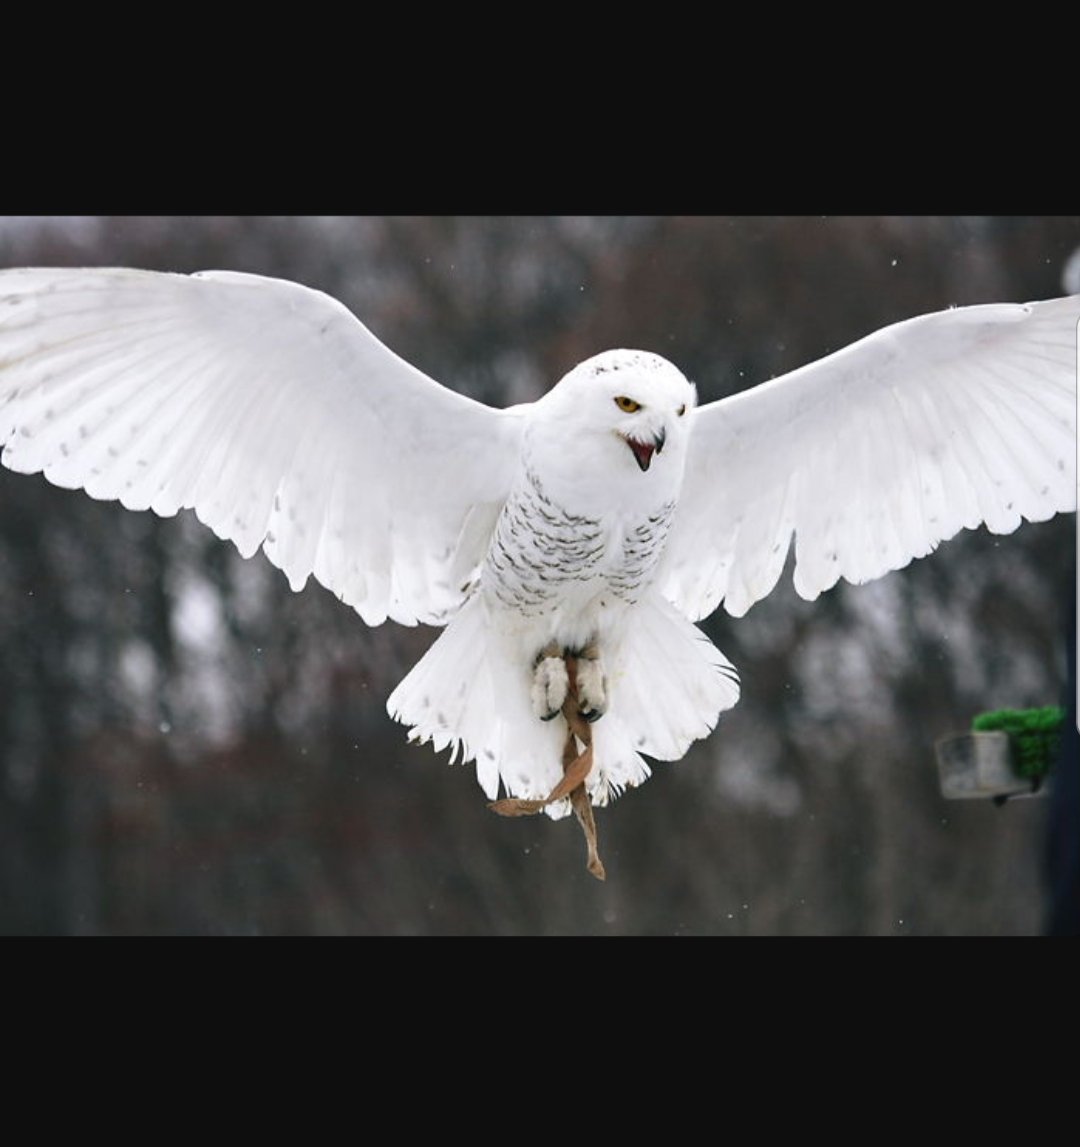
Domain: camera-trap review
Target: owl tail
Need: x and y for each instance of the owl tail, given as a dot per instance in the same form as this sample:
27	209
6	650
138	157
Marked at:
667	685
470	693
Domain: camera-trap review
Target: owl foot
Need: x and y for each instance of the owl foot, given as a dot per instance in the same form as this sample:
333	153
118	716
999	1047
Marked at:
591	684
551	683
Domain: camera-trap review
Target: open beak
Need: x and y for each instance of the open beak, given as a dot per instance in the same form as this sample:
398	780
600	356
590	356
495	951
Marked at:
643	451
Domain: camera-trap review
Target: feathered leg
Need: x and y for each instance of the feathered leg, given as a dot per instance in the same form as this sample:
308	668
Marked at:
550	682
591	684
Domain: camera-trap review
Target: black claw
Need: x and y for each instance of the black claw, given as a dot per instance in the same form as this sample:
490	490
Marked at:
591	715
551	716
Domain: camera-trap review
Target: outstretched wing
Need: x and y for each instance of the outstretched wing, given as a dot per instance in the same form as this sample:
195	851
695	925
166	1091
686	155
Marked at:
875	454
268	408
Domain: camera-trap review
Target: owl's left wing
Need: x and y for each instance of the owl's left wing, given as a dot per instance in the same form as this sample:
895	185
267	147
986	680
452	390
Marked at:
875	454
271	411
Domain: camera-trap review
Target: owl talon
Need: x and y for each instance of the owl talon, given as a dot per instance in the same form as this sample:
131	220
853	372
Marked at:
551	684
591	685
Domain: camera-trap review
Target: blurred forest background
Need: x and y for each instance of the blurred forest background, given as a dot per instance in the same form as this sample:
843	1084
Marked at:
188	747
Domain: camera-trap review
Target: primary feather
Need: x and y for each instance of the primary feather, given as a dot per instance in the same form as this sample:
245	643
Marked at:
611	513
268	409
872	456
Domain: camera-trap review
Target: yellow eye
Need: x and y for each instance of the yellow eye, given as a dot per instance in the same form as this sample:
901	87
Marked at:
682	410
627	404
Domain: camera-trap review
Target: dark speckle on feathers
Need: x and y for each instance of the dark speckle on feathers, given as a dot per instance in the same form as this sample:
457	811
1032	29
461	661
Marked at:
538	548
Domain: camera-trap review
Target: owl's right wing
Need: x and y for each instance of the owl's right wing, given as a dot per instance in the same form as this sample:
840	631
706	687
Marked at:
872	456
268	408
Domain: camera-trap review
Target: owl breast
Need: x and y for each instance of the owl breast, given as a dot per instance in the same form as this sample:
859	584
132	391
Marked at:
560	572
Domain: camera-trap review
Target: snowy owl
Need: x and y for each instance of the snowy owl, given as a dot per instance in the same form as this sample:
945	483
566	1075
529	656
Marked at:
597	524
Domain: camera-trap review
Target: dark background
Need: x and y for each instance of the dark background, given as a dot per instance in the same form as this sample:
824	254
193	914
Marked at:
188	747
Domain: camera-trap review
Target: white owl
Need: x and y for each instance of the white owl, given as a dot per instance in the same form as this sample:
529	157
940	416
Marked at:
602	520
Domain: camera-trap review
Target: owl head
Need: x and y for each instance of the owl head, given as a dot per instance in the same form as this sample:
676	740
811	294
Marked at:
632	405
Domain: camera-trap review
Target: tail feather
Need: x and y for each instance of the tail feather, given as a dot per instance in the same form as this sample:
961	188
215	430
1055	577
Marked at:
667	685
470	692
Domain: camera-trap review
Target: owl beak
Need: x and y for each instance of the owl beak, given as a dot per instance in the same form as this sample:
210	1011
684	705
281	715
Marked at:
643	451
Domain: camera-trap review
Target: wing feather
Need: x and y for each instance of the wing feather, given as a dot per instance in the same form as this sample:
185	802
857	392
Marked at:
872	456
267	408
